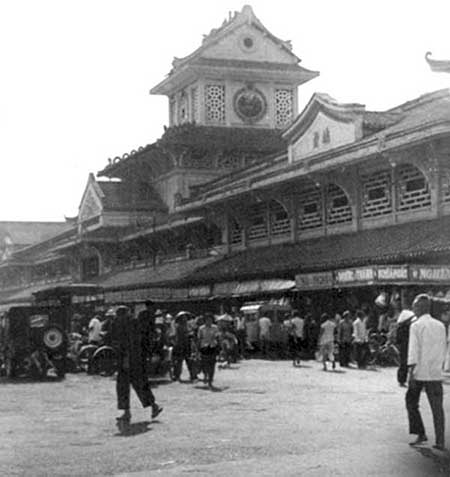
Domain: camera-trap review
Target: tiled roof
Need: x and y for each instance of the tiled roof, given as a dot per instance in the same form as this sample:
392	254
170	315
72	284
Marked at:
27	233
394	244
160	274
219	138
120	196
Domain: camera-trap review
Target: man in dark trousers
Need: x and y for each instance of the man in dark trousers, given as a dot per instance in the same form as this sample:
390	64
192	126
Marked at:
128	340
426	355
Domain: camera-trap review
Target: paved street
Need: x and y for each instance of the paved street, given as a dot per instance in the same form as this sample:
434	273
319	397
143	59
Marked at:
266	418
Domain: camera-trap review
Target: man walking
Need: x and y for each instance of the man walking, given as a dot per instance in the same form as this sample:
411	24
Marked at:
426	355
129	342
345	336
360	339
326	340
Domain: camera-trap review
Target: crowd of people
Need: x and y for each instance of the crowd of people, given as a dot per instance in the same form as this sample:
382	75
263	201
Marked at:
198	342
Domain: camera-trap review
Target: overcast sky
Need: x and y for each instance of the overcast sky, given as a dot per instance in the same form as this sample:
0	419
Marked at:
75	76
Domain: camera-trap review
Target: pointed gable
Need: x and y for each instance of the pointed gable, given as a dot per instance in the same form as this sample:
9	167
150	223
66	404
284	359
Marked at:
91	201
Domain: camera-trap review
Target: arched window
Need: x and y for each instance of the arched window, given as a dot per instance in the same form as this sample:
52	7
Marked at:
257	218
90	267
280	223
413	191
235	231
309	208
339	210
376	189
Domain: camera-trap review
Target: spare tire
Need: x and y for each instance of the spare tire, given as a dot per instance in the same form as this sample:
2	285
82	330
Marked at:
53	338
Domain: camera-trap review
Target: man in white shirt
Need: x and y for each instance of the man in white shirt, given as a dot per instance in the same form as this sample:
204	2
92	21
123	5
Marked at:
95	330
326	340
426	355
264	334
360	339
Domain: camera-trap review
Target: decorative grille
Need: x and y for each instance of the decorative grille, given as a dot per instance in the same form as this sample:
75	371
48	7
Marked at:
257	217
280	223
215	103
235	232
284	107
229	161
339	210
445	185
309	208
194	104
413	190
377	198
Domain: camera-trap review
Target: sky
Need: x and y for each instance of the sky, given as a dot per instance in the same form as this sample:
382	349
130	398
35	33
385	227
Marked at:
76	74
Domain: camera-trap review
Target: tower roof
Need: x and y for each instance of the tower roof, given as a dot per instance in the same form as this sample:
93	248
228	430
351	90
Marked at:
216	53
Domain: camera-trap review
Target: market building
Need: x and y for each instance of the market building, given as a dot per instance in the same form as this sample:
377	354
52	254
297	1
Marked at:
244	196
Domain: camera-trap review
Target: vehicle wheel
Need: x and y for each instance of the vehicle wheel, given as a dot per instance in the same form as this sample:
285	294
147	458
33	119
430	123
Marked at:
53	338
104	361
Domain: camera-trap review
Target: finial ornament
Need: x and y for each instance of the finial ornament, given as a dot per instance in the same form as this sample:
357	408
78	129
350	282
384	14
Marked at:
438	66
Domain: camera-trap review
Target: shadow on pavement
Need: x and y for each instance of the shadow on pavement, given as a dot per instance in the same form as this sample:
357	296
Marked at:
442	458
134	429
213	389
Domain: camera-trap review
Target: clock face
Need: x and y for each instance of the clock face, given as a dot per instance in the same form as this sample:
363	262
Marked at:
250	104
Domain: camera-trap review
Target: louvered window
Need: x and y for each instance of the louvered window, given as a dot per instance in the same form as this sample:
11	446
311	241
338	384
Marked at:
412	189
235	232
339	210
257	217
280	223
309	208
377	200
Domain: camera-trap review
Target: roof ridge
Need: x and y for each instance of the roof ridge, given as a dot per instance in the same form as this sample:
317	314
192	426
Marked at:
420	100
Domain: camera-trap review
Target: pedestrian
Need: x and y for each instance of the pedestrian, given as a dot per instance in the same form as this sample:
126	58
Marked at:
181	350
404	321
264	334
426	355
360	339
95	330
326	340
345	337
208	343
129	342
146	320
297	334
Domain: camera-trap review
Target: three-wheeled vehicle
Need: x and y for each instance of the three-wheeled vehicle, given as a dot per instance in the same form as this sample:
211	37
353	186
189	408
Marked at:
34	336
32	341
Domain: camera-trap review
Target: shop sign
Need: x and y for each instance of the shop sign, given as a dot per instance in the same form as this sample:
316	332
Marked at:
430	273
355	275
308	281
225	288
200	291
392	273
179	293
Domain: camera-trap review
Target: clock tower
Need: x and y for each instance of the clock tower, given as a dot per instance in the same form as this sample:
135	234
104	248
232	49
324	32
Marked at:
240	76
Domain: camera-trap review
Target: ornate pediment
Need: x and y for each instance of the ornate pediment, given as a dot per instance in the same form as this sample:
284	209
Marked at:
324	124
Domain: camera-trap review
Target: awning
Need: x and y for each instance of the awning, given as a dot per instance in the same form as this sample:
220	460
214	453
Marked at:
252	287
